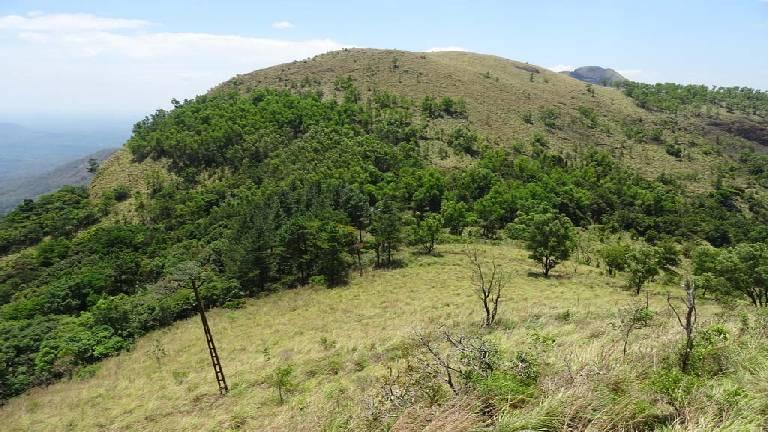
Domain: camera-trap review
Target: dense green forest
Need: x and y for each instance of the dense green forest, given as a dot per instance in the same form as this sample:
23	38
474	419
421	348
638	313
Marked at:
672	97
276	189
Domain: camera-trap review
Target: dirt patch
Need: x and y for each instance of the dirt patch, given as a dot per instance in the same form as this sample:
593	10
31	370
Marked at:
747	129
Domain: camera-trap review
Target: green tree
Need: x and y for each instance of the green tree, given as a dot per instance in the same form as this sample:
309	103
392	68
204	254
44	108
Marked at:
456	216
631	318
642	266
386	227
738	271
549	237
427	231
358	210
615	256
333	259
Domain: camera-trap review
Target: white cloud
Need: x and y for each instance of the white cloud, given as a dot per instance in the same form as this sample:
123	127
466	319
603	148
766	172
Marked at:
37	21
447	48
101	67
562	68
283	25
632	74
169	46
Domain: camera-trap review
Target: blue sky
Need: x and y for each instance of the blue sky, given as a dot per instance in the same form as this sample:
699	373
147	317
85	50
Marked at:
126	58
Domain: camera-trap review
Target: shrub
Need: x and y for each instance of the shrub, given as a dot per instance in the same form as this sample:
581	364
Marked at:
120	193
505	389
549	117
282	381
673	385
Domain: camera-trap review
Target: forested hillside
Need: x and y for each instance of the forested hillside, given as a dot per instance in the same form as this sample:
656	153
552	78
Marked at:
362	162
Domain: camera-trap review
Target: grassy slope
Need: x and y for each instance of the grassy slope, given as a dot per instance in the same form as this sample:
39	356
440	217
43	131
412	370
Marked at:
367	320
496	104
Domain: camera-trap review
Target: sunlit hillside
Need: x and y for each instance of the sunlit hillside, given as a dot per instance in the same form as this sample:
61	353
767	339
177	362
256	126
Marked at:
343	342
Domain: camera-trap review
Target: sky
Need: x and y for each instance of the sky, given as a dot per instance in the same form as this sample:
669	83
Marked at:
117	60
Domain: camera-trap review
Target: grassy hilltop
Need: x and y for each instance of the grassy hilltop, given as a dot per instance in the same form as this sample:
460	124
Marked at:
506	100
329	208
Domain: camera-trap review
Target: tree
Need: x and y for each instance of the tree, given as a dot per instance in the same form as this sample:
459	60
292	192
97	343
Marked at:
690	321
669	255
615	256
386	227
299	246
332	257
358	210
642	266
93	165
422	188
430	107
488	283
248	254
549	237
456	216
427	231
738	271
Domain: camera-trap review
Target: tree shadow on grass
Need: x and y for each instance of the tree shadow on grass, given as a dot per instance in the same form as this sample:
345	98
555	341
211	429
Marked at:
552	276
392	265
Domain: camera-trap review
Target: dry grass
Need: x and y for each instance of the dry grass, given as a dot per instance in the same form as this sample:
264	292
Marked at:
121	170
339	341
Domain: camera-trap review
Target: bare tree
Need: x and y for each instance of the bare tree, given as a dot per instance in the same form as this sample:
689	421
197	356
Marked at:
488	282
690	321
631	318
466	356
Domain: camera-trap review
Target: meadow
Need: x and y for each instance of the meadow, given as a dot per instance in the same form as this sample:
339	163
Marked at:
340	343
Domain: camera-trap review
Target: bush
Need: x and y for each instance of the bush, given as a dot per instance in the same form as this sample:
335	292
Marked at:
505	389
674	150
120	193
549	117
673	385
462	140
282	380
234	304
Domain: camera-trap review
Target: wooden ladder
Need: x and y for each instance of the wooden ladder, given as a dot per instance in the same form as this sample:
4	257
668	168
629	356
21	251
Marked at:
223	388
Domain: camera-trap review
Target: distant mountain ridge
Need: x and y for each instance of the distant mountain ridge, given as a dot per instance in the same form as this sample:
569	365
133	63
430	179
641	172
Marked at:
74	173
596	75
27	151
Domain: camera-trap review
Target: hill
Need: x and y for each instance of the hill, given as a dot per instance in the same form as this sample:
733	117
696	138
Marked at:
375	174
74	173
596	75
512	102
